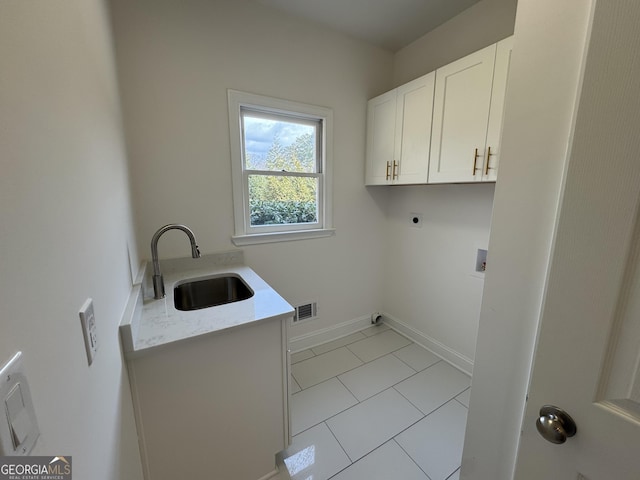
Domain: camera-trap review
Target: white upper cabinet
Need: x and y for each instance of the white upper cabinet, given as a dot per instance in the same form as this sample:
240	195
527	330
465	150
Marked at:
381	137
399	134
496	111
467	116
443	127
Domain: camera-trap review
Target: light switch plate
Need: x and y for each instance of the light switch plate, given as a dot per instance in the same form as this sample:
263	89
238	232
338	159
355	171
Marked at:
88	321
19	427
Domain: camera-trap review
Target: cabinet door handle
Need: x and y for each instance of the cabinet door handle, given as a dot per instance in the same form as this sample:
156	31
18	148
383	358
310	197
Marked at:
489	155
395	170
475	161
387	174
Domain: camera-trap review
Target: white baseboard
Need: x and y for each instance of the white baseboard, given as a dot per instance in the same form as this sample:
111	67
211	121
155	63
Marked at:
271	474
313	339
461	362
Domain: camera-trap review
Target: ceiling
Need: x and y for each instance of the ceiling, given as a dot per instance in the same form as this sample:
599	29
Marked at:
390	24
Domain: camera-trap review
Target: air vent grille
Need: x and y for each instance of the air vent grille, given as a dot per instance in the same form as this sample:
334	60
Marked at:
305	312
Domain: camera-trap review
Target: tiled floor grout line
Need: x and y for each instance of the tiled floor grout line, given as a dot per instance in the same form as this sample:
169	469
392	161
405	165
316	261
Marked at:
300	361
358	401
347	347
439	406
337	377
454	472
390	386
410	402
410	457
424	415
460	401
359	340
364	456
355	405
345	452
417	371
392	438
378	393
388	353
296	382
349	343
363	364
329	418
401	431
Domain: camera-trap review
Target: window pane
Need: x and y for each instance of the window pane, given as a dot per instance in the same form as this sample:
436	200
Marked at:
279	143
278	200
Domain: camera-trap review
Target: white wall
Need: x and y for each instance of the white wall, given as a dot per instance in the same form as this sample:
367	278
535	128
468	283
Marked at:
177	58
66	228
478	26
430	286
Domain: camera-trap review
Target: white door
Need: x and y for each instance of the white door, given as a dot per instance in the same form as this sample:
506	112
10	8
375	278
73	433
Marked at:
587	359
460	117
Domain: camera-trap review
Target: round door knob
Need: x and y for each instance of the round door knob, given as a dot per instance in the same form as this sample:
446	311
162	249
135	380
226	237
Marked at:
555	425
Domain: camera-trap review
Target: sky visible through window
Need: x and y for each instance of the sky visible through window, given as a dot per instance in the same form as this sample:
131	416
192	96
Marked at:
260	134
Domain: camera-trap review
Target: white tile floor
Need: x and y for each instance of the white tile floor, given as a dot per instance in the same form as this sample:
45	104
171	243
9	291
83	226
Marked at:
374	406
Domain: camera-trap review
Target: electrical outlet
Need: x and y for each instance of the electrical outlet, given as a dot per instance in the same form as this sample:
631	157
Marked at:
88	321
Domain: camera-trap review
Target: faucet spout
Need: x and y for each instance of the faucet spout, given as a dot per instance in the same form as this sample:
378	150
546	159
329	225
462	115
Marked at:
158	281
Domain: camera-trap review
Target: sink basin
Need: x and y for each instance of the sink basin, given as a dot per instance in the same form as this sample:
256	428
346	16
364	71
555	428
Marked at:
209	292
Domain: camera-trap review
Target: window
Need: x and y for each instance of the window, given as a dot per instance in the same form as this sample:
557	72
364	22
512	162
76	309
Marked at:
280	153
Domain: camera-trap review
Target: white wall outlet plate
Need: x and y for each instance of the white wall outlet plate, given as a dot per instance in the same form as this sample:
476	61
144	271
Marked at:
18	425
481	260
88	321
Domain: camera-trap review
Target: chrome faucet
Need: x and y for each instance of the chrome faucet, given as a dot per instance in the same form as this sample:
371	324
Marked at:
158	282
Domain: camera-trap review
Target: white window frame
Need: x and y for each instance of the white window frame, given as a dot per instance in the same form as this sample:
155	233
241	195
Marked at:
245	233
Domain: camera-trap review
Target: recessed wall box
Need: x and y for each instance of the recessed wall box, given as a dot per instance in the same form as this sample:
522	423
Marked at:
18	427
481	260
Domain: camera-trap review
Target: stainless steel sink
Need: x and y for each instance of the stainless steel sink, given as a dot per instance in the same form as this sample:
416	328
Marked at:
209	292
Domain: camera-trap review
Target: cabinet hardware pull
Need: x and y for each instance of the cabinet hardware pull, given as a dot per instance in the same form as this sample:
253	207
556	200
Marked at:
475	161
489	155
395	170
387	175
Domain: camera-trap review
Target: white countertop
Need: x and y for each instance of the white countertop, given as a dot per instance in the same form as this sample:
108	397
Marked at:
150	323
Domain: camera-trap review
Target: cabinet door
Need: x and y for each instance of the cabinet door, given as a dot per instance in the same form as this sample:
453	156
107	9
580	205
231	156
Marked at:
414	111
494	132
460	118
381	133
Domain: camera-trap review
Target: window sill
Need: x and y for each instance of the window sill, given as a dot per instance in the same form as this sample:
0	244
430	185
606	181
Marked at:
242	240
